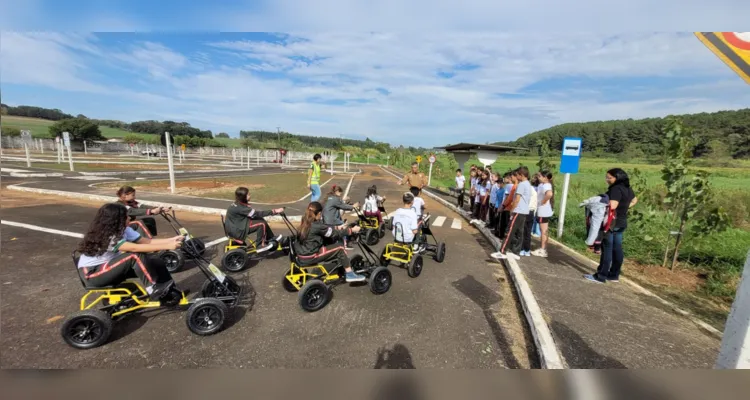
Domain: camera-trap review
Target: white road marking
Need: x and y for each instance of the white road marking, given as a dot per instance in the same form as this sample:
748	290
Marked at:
79	235
456	224
439	221
13	170
94	178
42	229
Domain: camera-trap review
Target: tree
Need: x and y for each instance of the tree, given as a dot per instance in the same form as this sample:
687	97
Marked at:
133	139
11	131
80	129
222	135
544	162
689	199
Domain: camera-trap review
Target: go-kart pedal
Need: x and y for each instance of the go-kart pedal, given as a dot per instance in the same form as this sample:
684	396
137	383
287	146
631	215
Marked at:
160	290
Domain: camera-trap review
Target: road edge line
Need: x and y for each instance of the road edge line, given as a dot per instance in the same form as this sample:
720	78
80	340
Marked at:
593	265
549	355
108	199
41	229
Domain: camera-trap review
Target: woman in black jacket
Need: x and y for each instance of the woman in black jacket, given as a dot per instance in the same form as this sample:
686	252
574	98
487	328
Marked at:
139	215
332	212
312	235
621	198
243	220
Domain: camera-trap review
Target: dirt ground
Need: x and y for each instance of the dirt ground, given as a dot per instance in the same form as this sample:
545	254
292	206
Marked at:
270	188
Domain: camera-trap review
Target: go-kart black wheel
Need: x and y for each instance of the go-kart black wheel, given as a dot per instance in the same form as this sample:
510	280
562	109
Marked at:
415	266
358	263
287	284
440	253
388	224
214	288
173	259
381	230
234	260
383	260
380	280
313	296
87	329
372	237
206	316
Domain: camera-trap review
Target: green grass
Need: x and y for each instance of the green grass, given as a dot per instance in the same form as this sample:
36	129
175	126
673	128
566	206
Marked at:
40	127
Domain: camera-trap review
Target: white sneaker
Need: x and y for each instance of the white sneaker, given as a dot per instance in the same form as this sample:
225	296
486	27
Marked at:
540	253
513	256
498	255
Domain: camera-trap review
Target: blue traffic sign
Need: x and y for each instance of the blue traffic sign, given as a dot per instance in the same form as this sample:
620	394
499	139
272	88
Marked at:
571	155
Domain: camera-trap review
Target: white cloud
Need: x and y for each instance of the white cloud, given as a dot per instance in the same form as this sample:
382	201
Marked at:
313	83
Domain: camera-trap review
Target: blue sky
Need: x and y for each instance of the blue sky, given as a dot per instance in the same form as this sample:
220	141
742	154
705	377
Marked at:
346	68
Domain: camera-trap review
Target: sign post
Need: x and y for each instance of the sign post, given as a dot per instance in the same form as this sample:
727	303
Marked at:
66	141
166	142
41	145
248	158
735	343
571	157
432	160
731	47
27	140
57	149
182	153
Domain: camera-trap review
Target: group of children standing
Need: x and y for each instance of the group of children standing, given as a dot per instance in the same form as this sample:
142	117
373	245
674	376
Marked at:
514	206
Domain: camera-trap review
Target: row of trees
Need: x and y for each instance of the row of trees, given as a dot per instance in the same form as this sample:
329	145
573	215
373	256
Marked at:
189	141
719	134
34	112
312	141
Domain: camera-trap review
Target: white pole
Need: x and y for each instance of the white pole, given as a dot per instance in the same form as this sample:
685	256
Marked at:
234	155
28	157
566	184
735	343
170	163
368	159
148	154
429	177
41	145
85	149
248	158
70	159
59	152
257	159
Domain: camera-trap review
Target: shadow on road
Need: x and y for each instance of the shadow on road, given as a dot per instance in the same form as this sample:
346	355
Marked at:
396	386
578	353
484	297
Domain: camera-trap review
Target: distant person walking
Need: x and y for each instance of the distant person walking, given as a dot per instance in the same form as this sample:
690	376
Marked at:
313	178
621	199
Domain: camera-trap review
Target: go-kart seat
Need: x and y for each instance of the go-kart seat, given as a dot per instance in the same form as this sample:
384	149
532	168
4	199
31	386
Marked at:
232	240
294	257
86	285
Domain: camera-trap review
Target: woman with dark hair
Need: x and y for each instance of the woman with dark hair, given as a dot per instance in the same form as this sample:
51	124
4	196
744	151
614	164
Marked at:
372	201
621	199
145	225
243	220
312	235
545	208
111	252
332	211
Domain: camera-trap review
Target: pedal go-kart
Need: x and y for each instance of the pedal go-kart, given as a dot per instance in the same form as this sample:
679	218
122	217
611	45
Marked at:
314	282
101	307
174	259
410	254
372	229
237	252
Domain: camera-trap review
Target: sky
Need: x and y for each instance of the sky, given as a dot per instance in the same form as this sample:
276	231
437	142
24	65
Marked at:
426	73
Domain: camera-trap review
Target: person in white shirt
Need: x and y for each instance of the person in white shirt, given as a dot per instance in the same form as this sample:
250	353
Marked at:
405	221
418	205
545	197
371	207
526	247
520	210
460	186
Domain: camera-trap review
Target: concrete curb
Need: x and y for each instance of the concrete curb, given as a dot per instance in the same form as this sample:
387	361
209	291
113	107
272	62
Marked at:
549	356
687	314
35	175
110	199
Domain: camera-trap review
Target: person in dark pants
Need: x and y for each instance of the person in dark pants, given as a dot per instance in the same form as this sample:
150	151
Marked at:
112	252
509	190
312	234
243	220
460	186
621	199
139	214
526	247
512	245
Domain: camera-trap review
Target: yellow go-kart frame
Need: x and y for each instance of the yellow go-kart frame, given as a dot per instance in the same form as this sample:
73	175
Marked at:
403	253
314	282
237	252
100	307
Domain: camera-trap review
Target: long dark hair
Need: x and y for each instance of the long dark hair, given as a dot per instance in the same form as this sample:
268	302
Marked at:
312	211
548	174
108	224
240	195
335	189
372	191
125	190
621	177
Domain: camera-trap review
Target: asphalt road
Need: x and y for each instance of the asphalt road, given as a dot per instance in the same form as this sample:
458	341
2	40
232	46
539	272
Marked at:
458	314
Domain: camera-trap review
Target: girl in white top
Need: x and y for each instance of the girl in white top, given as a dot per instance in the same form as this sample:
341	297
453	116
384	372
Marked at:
545	200
371	205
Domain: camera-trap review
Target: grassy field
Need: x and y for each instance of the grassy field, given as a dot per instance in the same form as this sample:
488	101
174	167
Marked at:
709	267
39	127
270	189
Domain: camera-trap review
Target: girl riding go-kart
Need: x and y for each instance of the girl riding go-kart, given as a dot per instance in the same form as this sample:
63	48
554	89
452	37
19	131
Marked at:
243	220
111	252
139	215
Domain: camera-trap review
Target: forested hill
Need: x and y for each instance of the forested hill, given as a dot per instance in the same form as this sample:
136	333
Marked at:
720	134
